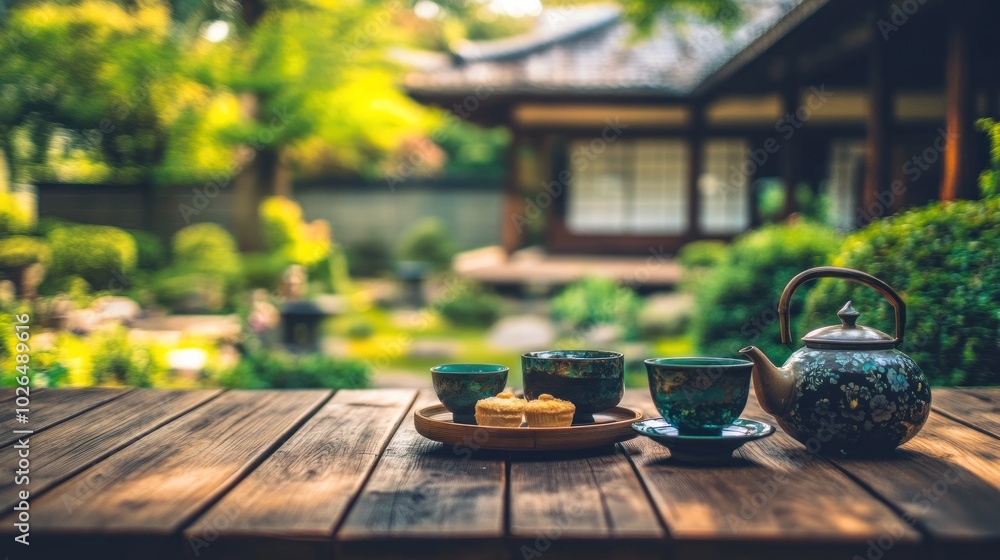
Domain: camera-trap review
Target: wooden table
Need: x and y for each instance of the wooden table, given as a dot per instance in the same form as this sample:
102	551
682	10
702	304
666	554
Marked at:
312	474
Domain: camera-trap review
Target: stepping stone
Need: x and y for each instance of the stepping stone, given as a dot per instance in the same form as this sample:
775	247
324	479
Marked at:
522	332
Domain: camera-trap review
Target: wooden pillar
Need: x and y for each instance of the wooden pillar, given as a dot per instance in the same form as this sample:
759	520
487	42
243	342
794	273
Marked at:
789	156
879	124
696	158
513	221
957	179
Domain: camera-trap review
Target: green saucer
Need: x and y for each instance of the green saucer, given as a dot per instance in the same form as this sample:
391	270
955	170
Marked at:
703	449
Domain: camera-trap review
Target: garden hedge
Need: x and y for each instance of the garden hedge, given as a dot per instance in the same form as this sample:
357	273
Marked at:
944	259
736	302
17	251
104	256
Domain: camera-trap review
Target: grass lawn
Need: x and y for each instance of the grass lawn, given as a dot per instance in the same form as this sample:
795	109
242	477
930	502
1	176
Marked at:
386	341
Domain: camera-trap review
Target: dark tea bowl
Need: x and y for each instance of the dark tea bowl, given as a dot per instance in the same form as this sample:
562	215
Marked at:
460	386
593	380
699	396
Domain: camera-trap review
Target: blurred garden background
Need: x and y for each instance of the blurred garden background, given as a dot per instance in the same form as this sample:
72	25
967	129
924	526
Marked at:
324	193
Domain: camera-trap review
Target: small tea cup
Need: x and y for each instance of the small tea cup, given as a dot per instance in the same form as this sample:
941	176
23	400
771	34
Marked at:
460	386
593	380
699	396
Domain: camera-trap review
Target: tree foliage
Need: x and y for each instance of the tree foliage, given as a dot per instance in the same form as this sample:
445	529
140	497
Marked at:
97	90
644	12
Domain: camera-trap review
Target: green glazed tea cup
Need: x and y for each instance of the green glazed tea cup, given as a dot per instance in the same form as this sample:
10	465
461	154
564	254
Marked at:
593	380
460	386
700	396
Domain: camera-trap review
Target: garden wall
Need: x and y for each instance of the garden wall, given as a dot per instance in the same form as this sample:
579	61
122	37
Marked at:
356	210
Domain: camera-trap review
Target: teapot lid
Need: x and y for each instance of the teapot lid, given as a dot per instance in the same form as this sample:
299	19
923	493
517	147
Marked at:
848	334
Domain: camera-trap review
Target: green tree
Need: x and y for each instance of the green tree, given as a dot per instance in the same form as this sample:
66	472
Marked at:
644	12
311	89
239	94
989	178
77	89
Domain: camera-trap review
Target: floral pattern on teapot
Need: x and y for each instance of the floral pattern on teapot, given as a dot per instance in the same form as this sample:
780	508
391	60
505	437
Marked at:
850	400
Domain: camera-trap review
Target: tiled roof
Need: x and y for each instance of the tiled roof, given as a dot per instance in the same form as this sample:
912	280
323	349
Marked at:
592	50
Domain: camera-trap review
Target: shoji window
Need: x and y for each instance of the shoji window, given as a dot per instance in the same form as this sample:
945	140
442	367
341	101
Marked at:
847	158
724	187
633	187
660	204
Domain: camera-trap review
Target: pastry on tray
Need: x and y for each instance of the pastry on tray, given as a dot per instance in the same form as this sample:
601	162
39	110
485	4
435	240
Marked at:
549	412
503	411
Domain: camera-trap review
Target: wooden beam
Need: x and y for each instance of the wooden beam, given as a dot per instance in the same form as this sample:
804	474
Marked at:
957	178
880	117
512	223
791	100
695	163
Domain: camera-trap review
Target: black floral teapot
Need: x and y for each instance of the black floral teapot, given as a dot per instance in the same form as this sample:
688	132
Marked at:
849	389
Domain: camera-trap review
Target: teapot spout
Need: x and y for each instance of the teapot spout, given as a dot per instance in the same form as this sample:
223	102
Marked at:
774	386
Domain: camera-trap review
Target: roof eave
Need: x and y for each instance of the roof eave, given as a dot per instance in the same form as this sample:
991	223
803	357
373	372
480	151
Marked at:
759	46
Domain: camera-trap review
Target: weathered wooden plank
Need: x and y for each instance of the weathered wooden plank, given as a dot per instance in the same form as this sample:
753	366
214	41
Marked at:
75	444
8	393
979	408
290	505
946	481
777	499
566	504
48	408
449	499
131	503
563	504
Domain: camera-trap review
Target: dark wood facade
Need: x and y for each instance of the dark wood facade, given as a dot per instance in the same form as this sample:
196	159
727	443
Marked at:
870	102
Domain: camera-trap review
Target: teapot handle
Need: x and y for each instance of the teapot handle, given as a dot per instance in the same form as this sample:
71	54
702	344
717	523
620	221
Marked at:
784	307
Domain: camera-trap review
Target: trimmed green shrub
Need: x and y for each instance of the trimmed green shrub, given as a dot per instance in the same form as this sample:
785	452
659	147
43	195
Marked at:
360	329
330	274
944	260
280	220
597	301
76	288
20	250
118	361
263	270
207	247
285	231
151	252
279	370
104	256
467	303
13	219
428	242
186	290
736	302
702	254
47	225
989	179
369	258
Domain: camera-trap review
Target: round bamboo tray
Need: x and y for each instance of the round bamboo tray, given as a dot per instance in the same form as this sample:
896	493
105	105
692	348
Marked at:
609	426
